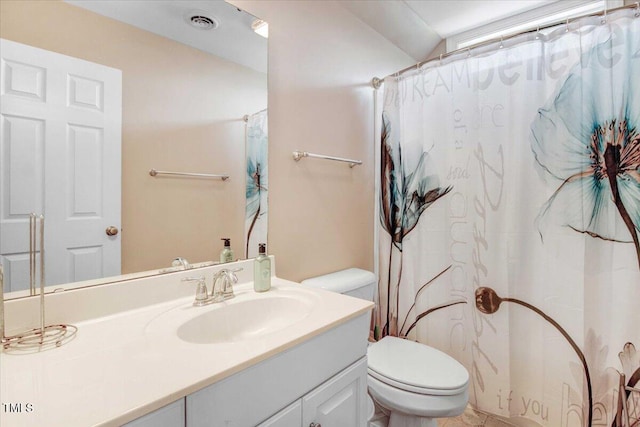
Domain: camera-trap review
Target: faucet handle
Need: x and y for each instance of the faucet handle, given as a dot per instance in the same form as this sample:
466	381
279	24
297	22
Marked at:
202	295
228	279
231	274
180	262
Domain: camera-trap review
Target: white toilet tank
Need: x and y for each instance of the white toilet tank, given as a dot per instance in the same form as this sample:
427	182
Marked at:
352	281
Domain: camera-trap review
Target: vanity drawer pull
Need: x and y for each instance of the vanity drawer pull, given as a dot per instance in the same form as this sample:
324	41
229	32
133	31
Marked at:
314	425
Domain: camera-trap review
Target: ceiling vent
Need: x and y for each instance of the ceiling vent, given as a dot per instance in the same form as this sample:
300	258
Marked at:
201	20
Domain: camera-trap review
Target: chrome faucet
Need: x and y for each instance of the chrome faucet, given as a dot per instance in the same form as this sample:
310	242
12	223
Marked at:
228	278
179	261
219	293
202	295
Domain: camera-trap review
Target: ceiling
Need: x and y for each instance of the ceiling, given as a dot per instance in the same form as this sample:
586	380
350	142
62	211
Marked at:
233	39
414	26
418	26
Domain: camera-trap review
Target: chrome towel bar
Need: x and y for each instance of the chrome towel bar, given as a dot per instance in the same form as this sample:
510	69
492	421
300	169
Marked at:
297	155
154	172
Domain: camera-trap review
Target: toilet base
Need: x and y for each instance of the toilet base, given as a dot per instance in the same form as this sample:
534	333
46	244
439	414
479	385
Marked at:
385	418
398	419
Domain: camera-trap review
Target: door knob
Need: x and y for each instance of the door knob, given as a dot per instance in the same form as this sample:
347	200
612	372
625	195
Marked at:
111	230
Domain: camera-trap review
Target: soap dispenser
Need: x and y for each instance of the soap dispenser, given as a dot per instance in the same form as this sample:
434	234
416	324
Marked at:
262	270
226	255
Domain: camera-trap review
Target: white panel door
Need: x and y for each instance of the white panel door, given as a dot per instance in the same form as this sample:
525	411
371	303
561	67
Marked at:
339	402
60	155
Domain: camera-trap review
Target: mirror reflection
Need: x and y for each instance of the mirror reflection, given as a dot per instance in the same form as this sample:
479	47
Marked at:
114	90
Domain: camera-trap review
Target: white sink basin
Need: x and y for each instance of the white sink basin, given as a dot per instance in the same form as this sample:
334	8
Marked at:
248	316
244	319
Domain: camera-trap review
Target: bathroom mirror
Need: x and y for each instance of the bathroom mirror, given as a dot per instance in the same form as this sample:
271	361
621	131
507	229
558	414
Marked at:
194	74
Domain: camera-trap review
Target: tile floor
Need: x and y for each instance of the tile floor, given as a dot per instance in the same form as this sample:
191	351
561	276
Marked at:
470	418
474	418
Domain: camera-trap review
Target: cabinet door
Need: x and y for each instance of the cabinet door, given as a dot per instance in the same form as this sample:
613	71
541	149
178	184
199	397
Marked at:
291	416
172	415
339	402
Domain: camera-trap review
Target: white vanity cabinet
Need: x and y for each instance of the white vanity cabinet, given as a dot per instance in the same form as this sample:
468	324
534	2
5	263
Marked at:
291	416
338	402
341	401
321	380
171	415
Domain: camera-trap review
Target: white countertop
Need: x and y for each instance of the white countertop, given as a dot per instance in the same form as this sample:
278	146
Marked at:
122	366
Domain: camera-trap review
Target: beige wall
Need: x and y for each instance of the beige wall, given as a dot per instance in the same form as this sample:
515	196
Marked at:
182	111
321	62
440	49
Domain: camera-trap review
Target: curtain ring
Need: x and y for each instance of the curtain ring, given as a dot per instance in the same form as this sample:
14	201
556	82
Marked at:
501	44
538	34
567	26
468	53
637	9
604	17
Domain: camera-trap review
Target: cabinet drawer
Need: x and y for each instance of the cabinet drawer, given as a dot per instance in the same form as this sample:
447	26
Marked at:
291	416
172	415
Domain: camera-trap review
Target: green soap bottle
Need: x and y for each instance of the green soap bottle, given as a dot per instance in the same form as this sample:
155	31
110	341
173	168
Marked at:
262	270
226	255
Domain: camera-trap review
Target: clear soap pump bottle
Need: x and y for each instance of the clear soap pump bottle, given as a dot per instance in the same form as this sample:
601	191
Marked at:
226	255
262	270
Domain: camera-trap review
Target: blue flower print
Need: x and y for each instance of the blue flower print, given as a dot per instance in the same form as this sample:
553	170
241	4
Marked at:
587	137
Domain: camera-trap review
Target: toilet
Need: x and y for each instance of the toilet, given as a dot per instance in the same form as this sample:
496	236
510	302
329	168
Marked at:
412	382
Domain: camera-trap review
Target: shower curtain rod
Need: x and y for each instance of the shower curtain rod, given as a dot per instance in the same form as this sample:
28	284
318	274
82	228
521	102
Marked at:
246	116
376	82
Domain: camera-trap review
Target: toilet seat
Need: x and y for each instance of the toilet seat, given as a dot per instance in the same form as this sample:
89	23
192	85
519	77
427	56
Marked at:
416	368
421	405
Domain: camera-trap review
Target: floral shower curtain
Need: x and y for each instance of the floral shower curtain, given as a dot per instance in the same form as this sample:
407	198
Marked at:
510	218
255	222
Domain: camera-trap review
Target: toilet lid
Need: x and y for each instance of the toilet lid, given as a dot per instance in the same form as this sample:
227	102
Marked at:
416	367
